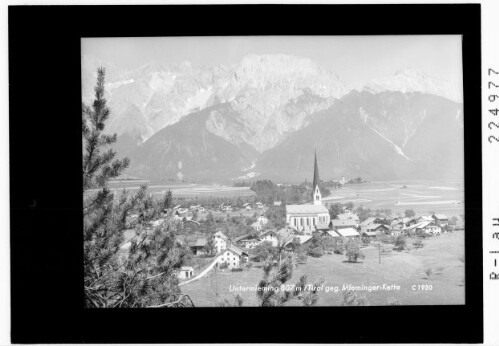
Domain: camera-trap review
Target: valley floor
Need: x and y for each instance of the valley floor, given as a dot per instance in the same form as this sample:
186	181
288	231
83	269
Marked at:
443	255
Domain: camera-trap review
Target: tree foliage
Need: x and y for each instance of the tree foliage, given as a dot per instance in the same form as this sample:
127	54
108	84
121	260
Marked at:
352	298
409	213
272	290
144	275
353	252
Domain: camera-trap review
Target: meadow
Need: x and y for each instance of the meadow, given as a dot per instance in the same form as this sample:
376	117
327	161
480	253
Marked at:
422	197
439	265
183	190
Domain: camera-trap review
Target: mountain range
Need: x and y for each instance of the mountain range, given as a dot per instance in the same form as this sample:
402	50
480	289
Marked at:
265	116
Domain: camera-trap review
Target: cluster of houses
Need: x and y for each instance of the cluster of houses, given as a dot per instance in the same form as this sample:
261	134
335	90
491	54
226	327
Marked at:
310	218
245	206
226	251
187	212
348	225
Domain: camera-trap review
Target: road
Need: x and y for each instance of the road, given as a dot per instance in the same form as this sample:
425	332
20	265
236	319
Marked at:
203	273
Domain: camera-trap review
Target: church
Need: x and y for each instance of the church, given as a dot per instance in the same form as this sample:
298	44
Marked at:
305	217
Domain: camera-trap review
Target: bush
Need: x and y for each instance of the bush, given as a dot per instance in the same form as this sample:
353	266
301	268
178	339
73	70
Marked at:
400	243
248	265
392	302
315	252
302	258
366	240
352	298
224	265
353	252
428	271
237	269
338	247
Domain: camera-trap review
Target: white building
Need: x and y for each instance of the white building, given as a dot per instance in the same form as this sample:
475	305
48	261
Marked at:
233	256
220	241
305	217
262	219
185	272
269	236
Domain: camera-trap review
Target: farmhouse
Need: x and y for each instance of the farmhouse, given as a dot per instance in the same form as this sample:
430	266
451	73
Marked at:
304	239
197	246
304	217
277	203
220	240
249	243
370	221
259	205
288	232
409	221
424	218
269	236
440	219
373	229
257	226
427	227
233	256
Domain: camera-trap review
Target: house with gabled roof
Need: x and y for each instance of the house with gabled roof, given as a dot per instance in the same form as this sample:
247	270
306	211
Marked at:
233	256
270	236
373	229
220	241
441	219
427	227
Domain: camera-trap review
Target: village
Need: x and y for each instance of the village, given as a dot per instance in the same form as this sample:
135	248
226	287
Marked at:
297	230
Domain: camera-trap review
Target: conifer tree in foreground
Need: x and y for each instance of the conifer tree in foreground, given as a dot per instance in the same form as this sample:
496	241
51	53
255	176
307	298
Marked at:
143	275
273	291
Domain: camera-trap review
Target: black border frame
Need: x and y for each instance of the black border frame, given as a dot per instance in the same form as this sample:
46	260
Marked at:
45	173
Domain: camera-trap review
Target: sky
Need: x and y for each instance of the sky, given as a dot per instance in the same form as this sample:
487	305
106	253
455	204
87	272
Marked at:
355	59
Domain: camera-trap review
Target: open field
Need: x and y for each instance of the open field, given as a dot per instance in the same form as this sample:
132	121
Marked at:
405	269
422	197
183	189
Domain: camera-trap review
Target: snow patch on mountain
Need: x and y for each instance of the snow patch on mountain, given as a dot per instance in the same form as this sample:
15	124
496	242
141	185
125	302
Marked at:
414	81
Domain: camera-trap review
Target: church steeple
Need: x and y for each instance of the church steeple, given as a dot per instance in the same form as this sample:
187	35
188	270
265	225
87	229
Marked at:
316	193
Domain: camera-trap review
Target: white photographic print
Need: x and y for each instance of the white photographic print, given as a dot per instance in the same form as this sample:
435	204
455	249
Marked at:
273	171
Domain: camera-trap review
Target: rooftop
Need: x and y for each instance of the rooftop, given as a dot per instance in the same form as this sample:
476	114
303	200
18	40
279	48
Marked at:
235	249
306	209
368	221
348	232
333	233
337	223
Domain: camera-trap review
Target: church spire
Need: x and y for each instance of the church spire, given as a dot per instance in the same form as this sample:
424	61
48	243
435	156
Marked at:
316	173
316	193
